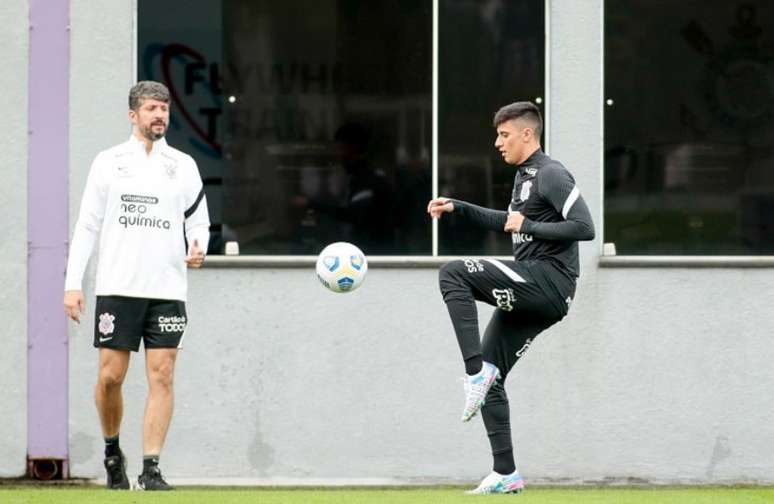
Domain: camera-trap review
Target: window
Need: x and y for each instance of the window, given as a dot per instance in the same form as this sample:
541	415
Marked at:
312	121
490	54
689	163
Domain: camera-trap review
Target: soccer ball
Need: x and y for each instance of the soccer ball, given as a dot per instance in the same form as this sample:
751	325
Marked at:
341	267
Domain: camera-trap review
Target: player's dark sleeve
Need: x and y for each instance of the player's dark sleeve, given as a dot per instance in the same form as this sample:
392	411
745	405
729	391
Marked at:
480	216
558	187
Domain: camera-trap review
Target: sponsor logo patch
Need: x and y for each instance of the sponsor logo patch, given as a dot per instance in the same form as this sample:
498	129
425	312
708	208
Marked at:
519	238
473	265
505	298
135	212
174	324
524	348
136	198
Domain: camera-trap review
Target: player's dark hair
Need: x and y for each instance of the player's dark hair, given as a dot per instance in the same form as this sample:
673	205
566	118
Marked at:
517	110
147	89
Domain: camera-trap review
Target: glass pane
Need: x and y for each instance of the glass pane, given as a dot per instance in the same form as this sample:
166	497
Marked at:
319	121
688	127
490	54
179	43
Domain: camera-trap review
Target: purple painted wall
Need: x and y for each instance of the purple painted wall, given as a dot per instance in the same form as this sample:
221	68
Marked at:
49	62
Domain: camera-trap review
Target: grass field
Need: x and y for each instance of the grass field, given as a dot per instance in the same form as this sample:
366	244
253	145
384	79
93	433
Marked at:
443	495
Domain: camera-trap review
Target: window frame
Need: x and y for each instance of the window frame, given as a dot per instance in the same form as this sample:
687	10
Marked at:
608	258
391	261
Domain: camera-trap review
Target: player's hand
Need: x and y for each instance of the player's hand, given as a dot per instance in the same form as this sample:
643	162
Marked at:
439	206
513	224
74	304
195	256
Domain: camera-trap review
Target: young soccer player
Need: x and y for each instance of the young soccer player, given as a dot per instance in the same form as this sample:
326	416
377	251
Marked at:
546	218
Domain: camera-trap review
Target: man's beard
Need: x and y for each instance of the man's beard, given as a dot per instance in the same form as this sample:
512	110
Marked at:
149	134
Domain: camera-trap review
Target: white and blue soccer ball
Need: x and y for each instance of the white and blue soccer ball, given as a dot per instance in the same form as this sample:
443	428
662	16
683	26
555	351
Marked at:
341	267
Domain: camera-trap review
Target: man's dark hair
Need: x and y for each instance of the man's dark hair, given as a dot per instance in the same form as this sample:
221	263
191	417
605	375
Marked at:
147	89
522	109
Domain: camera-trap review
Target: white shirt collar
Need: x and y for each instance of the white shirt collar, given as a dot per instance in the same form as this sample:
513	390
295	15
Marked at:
158	145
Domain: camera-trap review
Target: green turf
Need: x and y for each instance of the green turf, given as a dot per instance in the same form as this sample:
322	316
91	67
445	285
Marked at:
715	495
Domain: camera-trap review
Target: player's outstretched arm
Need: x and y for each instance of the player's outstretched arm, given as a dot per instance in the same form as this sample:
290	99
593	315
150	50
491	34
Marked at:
487	218
439	206
575	228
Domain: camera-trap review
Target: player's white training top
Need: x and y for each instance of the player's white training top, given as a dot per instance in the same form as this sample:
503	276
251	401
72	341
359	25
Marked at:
140	205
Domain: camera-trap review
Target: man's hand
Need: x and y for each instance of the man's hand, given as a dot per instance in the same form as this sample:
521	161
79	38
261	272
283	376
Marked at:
439	206
74	304
513	224
195	256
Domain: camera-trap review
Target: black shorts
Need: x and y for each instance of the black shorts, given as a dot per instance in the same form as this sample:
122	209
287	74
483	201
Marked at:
121	322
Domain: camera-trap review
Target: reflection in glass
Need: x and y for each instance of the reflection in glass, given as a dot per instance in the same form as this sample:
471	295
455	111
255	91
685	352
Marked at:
690	128
179	44
328	135
310	120
491	53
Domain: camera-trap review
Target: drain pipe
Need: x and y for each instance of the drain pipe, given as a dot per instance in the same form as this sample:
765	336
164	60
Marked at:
47	234
45	469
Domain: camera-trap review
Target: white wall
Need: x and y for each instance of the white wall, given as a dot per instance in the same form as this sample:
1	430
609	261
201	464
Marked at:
657	374
14	45
101	69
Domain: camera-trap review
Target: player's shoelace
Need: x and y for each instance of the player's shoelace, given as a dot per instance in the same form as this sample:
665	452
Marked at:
476	390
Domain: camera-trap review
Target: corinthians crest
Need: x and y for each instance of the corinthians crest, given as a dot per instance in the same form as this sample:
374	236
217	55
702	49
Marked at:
106	323
171	170
525	187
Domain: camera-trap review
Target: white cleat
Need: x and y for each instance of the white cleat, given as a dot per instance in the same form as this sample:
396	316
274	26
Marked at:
497	483
476	388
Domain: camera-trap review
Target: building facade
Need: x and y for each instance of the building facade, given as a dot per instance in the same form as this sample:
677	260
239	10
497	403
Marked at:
661	371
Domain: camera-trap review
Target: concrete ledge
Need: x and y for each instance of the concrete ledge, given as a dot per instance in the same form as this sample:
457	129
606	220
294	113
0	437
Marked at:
686	262
397	262
434	262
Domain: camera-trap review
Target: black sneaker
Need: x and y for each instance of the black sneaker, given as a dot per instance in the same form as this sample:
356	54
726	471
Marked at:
116	472
151	479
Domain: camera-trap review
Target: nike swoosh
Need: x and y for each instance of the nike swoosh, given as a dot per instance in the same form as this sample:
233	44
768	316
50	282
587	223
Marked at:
102	340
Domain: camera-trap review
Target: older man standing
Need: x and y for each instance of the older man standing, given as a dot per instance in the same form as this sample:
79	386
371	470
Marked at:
143	201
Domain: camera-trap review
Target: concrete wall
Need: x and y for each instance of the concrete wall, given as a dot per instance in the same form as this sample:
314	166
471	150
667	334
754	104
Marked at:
101	72
657	374
14	45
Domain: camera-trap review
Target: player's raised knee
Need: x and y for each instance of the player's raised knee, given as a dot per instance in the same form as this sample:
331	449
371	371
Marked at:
451	269
449	272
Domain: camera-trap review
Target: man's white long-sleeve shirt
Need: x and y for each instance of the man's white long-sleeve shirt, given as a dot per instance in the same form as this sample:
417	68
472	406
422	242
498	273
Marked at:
141	206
